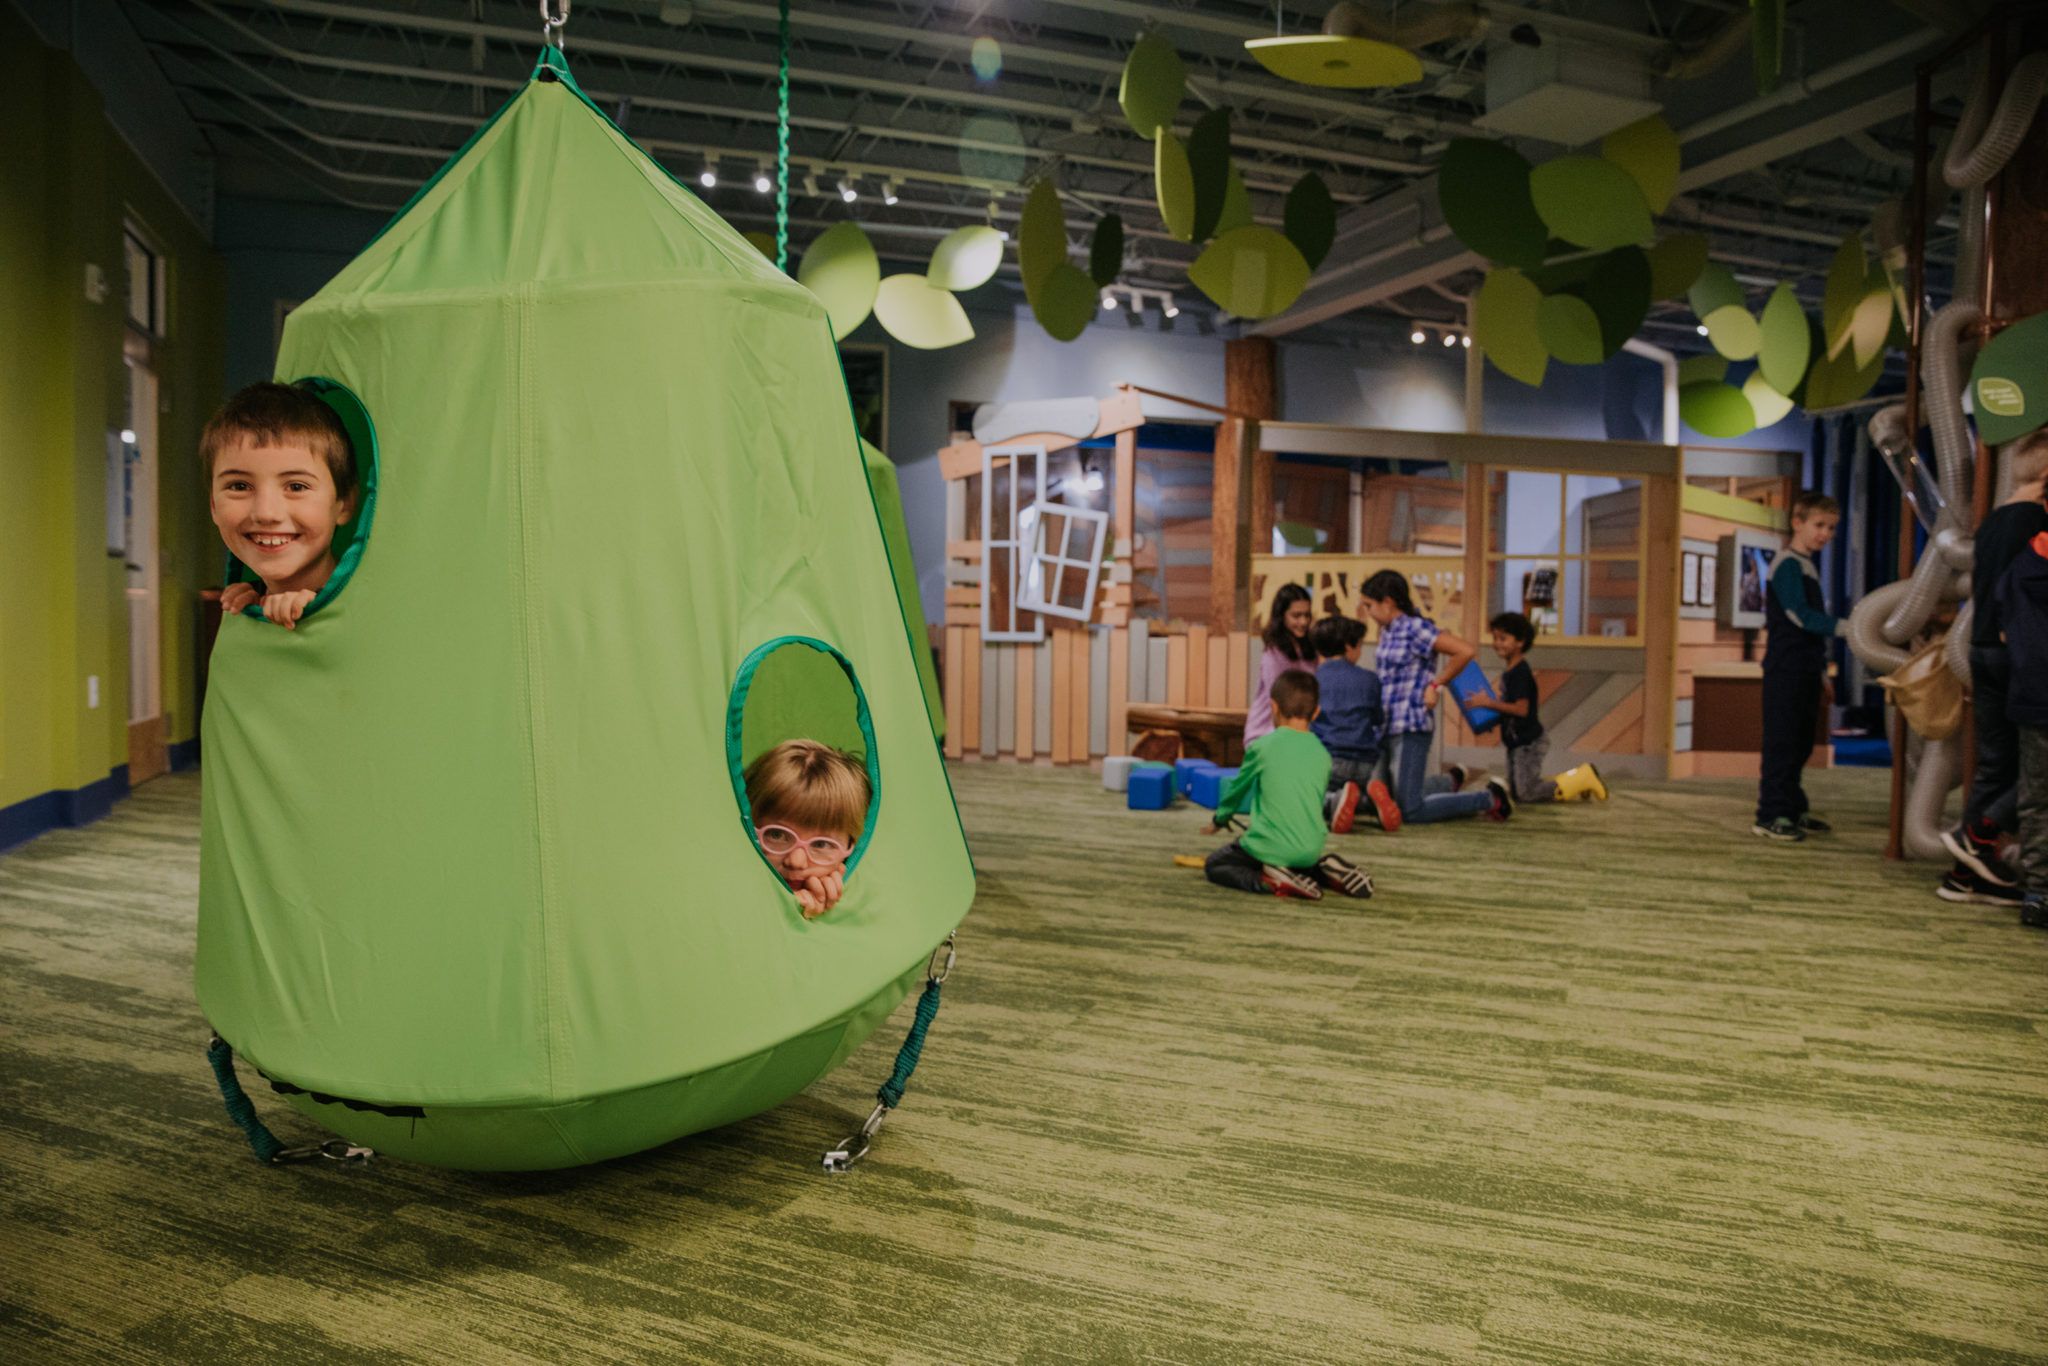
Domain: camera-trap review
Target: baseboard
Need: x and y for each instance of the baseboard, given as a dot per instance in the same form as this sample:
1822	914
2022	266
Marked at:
66	807
185	754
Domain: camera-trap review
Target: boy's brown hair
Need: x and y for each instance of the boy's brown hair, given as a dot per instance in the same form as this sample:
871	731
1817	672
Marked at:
811	784
1808	502
272	414
2026	457
1296	695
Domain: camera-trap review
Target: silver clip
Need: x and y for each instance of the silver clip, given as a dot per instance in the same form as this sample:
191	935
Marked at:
943	973
334	1149
552	23
841	1159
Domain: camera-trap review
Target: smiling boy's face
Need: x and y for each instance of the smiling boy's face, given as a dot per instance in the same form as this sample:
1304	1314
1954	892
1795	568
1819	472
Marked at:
1505	645
277	510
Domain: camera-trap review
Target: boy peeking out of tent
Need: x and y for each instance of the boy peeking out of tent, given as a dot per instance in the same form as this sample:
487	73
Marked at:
281	480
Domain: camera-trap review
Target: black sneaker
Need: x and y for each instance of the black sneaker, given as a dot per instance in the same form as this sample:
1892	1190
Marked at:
2034	910
1459	775
1961	884
1980	856
1783	829
1503	804
1342	875
1814	825
1287	882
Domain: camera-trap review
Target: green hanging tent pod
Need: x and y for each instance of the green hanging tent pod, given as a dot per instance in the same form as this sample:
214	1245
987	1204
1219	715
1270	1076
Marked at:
478	885
896	535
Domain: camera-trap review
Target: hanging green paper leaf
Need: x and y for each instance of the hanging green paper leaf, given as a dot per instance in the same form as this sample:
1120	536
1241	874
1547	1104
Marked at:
1618	291
1675	263
1066	300
1237	205
1767	43
1846	276
1782	344
1173	185
1311	218
1715	288
1570	329
841	268
1209	163
1871	323
1733	331
2009	382
1591	202
1106	249
1041	238
1716	409
966	258
1253	272
1505	325
1648	150
1483	193
1154	80
1709	367
1768	403
918	313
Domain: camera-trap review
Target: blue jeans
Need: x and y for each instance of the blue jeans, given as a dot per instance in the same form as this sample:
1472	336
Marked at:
1409	756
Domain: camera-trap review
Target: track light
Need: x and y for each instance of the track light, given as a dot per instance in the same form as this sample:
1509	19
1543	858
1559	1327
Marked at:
1172	308
763	182
1465	340
1450	339
811	186
847	192
709	178
889	192
1701	329
1108	301
128	436
1416	336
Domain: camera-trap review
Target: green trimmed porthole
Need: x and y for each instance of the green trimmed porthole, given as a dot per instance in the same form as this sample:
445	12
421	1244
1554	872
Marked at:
799	688
352	537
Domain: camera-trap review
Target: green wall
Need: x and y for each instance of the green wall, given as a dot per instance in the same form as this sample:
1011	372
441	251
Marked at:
71	182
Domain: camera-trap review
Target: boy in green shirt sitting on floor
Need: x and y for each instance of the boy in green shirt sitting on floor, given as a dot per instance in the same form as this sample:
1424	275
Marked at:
1280	786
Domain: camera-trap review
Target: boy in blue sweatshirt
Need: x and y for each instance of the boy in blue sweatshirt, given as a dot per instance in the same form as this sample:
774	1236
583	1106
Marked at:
1350	725
1797	630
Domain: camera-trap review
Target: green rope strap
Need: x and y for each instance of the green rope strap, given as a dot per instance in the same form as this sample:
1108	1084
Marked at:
891	1092
842	1158
782	146
243	1112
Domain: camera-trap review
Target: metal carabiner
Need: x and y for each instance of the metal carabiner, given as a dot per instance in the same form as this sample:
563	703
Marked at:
552	24
840	1160
946	971
334	1149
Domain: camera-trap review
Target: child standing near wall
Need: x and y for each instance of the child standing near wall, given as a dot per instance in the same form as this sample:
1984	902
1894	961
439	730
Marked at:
1409	646
1281	786
1797	630
1350	725
1521	730
1287	647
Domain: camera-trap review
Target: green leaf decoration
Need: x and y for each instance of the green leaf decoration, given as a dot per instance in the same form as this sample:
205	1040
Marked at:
1106	249
1769	405
1505	325
1709	367
1618	291
1310	218
1591	202
1834	380
1173	185
1570	273
1846	276
1783	342
1675	263
1871	322
1041	238
1715	288
1154	80
1209	163
919	313
1767	44
1733	331
1253	272
763	242
2009	382
1483	193
1570	330
841	268
1648	150
966	258
1067	299
1716	409
1343	61
1237	205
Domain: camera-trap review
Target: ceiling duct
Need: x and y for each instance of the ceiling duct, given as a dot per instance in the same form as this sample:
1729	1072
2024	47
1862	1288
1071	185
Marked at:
1542	85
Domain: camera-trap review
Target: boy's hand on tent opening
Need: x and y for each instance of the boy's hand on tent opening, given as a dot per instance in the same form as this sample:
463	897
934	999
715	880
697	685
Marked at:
284	608
817	895
235	597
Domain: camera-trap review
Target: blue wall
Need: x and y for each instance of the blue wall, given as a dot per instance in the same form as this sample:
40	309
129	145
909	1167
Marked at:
277	250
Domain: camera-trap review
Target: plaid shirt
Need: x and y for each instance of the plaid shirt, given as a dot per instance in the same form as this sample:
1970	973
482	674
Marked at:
1403	660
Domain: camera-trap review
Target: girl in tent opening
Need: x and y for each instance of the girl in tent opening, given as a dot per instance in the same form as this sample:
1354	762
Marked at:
809	805
1287	648
282	480
1408	646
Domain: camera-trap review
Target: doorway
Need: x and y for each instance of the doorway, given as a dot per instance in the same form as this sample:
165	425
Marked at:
148	748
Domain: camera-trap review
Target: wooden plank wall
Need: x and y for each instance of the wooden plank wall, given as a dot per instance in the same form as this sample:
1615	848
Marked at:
1063	700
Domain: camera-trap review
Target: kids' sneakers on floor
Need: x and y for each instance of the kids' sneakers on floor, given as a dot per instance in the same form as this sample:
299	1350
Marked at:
1961	884
1503	804
1814	825
1383	802
1287	882
1342	806
1979	854
1783	829
2034	910
1342	875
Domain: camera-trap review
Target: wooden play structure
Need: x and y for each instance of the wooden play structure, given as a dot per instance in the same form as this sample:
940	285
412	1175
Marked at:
1613	577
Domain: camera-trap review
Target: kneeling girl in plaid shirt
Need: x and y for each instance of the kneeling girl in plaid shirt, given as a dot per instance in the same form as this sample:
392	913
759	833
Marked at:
1408	648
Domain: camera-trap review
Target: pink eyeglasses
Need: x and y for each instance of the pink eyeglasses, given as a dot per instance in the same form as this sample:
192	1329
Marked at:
780	839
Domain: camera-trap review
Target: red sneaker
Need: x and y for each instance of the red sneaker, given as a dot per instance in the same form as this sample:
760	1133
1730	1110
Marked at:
1384	803
1346	808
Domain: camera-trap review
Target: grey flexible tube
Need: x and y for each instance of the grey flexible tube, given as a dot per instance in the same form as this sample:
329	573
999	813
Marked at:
1866	631
1941	372
1979	152
1956	651
1939	770
1931	581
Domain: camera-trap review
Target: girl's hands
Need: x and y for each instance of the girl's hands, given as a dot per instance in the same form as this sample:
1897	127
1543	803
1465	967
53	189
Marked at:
284	608
1430	693
235	597
817	895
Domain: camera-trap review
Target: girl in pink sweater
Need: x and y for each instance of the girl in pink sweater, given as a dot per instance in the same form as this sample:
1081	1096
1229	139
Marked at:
1287	648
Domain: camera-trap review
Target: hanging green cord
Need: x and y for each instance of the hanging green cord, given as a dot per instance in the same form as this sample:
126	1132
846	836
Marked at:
240	1110
782	146
842	1158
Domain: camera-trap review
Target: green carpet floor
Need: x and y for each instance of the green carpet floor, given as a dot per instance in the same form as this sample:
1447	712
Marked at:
1605	1085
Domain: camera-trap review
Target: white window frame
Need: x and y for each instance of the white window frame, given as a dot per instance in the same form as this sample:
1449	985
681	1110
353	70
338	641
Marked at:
1048	567
1020	523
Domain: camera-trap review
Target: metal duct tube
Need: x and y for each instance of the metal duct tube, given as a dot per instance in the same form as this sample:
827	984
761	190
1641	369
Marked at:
1924	591
1866	633
1956	652
1941	373
1974	159
1939	770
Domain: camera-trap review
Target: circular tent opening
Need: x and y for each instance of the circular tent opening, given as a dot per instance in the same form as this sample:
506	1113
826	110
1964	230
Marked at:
352	536
799	688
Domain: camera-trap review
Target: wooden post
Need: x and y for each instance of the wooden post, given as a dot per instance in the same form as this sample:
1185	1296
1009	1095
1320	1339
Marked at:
1251	388
1662	515
1230	566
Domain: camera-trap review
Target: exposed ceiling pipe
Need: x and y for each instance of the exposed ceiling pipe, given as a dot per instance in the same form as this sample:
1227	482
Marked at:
1636	346
1794	91
1878	152
1712	52
1445	23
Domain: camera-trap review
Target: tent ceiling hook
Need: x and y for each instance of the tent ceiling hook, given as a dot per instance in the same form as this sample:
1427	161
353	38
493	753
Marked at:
552	23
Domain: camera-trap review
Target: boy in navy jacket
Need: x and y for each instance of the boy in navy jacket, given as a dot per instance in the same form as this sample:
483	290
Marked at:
1797	630
2023	610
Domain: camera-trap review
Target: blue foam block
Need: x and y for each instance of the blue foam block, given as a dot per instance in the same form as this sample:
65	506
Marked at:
1206	787
1472	692
1150	789
1184	771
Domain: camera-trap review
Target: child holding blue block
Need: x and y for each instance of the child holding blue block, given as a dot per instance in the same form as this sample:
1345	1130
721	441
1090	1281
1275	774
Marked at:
1281	786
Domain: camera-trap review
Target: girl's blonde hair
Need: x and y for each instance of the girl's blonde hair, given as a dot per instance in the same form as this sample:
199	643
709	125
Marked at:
810	784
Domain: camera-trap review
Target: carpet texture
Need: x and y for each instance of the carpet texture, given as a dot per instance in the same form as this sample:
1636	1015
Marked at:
1609	1084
